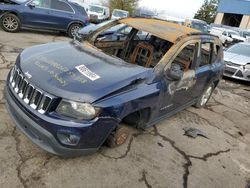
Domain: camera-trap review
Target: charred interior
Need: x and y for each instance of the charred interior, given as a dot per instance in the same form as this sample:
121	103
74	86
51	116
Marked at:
133	46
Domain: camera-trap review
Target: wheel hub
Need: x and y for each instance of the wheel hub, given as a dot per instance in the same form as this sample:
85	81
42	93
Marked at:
121	138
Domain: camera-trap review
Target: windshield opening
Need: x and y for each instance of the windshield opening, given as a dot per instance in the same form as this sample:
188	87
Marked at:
131	45
242	49
96	9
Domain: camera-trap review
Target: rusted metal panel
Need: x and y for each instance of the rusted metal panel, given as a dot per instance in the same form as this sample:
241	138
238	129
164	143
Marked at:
159	28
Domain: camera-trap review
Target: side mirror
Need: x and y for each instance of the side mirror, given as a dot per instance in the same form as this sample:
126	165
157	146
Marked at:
31	5
175	72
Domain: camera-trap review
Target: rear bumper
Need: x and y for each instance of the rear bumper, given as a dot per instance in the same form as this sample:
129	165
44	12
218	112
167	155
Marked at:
39	135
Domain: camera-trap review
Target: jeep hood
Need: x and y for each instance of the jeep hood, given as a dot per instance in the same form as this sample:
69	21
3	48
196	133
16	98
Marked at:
77	71
11	2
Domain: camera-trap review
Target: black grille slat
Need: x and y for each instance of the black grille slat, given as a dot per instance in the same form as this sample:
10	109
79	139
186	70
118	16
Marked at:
29	93
35	99
22	88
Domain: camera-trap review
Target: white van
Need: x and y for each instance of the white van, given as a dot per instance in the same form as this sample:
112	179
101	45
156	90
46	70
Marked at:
98	13
118	13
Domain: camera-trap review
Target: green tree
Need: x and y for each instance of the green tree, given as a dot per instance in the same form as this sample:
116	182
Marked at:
128	5
207	12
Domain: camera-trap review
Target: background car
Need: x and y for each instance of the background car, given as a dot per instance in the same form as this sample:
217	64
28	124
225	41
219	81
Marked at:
227	36
237	59
58	15
117	14
98	13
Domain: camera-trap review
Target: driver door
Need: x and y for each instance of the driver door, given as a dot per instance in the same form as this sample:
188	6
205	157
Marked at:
178	93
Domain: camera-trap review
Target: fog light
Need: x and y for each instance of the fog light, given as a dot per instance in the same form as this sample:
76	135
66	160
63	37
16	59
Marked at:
68	138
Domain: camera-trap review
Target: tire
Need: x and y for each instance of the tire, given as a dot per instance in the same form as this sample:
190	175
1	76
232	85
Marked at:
205	96
10	23
73	28
118	137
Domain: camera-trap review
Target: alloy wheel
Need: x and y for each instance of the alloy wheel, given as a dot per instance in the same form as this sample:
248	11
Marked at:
74	29
10	23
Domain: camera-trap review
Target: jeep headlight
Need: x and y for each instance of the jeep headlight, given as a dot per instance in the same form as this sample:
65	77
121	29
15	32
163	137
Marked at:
247	66
77	110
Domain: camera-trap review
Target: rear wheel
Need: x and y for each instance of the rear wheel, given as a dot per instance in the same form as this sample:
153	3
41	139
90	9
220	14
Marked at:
10	23
204	98
73	29
118	137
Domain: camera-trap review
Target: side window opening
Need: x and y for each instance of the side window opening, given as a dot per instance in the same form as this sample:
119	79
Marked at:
42	3
186	58
206	53
59	5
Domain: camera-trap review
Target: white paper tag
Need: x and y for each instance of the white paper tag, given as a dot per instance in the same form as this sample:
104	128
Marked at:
88	73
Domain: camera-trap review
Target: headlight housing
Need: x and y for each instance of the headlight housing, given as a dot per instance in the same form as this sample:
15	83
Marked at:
77	110
247	66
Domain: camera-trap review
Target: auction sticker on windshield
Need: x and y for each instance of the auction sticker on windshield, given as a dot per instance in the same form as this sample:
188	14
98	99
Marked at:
88	73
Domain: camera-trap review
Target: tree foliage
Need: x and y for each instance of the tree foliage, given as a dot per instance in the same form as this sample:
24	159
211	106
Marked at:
207	12
128	5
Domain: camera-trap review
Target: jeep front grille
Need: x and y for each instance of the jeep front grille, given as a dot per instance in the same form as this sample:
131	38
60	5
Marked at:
31	95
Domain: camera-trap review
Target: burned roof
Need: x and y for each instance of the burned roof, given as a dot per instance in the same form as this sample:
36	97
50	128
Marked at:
159	28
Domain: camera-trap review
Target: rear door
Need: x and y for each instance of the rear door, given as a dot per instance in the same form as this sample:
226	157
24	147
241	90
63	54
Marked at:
61	14
204	67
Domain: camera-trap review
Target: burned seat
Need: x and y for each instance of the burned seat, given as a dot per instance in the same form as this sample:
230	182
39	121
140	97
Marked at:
142	54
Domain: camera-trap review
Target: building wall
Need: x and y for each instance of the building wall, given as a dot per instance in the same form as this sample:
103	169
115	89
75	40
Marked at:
245	23
234	7
237	7
219	18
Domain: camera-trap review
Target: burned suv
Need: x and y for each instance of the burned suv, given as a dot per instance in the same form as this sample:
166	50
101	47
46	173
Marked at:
70	98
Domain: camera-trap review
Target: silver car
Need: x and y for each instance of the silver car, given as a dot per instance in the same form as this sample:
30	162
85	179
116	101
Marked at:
237	59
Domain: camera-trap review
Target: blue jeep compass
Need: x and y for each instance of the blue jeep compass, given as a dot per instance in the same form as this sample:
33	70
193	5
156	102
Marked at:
58	15
70	98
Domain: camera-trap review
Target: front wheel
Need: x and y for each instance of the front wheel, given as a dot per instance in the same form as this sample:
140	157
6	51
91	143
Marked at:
204	98
10	23
74	28
118	137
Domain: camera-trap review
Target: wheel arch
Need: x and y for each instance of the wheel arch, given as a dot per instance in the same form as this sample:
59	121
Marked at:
4	12
138	118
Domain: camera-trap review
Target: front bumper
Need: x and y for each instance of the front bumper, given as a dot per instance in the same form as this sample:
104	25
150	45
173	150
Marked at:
95	134
237	72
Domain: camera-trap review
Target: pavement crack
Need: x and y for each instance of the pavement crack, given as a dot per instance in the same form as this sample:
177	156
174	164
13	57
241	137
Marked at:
22	159
188	162
144	179
3	58
209	155
233	109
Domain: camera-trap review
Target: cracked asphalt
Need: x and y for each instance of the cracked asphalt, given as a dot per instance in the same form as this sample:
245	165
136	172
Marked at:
161	156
